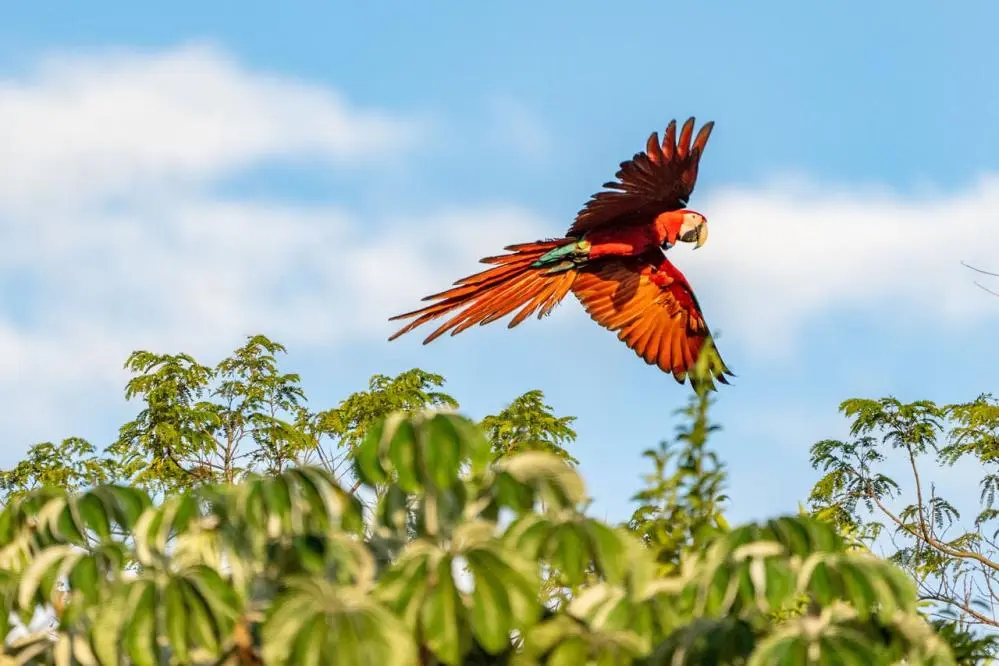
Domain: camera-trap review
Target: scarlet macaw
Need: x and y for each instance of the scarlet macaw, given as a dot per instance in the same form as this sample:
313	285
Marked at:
612	258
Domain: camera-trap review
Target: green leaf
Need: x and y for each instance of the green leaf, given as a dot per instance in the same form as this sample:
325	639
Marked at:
202	624
548	475
403	450
309	644
569	556
367	458
84	577
403	585
608	550
440	616
37	580
569	653
95	516
441	448
314	619
175	620
218	595
276	495
139	635
491	616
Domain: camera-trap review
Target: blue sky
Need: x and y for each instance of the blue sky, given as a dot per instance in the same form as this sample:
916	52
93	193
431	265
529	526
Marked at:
179	175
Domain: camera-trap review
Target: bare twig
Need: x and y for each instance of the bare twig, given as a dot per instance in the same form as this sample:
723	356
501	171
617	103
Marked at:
984	288
983	272
983	619
978	270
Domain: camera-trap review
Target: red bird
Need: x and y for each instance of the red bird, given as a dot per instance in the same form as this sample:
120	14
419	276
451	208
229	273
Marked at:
613	259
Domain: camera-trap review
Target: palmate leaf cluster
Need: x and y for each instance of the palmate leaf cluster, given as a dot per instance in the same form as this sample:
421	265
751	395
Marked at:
446	567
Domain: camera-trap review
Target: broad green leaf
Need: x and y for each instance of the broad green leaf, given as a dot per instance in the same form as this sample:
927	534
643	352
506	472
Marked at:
568	552
95	515
367	457
175	620
277	498
518	577
569	653
309	643
441	616
403	586
314	620
123	503
323	496
442	451
105	636
219	597
202	623
490	614
609	551
393	508
37	580
554	482
405	450
139	635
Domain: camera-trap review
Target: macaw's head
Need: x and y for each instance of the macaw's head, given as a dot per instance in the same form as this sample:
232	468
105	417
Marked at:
687	226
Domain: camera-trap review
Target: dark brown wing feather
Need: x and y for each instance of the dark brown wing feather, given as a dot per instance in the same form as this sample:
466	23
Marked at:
653	310
652	182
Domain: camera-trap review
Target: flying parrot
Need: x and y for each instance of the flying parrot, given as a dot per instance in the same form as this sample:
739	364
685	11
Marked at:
613	258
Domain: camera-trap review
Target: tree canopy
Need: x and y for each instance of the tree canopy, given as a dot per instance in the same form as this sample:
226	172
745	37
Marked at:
228	524
953	560
200	424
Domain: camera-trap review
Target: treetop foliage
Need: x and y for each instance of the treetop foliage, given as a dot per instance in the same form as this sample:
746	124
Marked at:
290	568
219	534
954	561
201	424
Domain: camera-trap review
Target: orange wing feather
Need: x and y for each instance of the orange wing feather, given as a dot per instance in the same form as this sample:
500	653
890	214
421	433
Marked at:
653	310
495	292
652	182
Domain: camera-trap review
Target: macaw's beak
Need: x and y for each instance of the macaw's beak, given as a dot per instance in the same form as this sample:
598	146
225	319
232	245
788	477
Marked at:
702	235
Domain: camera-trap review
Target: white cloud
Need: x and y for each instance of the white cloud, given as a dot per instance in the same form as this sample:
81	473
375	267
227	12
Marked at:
123	121
198	275
111	238
114	240
781	257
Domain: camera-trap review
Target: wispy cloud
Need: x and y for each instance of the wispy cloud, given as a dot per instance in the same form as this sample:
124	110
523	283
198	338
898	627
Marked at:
783	256
122	121
114	239
112	236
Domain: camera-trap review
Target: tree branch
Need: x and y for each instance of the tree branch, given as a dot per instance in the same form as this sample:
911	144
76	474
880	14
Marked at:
939	545
984	619
978	270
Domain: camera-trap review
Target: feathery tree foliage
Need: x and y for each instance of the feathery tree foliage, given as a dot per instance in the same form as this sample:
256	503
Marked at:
953	561
201	425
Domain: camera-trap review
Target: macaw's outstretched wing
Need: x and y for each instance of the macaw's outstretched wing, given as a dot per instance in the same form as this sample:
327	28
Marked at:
652	182
650	305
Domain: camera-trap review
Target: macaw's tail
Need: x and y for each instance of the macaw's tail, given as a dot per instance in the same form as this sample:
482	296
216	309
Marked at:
534	277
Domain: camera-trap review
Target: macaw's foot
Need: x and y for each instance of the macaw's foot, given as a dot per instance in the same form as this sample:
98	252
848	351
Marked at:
564	257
